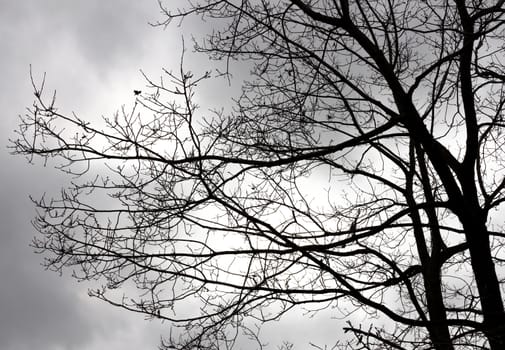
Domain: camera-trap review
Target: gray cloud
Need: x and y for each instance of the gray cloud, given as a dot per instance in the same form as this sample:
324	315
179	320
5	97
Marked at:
91	51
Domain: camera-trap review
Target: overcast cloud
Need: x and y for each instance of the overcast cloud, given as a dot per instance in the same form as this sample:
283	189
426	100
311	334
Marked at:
91	51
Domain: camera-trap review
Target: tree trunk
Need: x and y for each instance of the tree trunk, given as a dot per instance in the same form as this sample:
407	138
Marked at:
486	279
439	332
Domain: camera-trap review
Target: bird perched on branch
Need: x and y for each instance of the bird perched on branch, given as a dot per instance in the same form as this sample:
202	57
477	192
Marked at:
352	229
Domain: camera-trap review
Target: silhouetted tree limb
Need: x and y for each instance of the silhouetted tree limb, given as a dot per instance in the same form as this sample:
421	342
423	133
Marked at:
361	169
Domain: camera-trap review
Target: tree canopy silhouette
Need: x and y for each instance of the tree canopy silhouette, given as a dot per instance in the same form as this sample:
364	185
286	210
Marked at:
361	168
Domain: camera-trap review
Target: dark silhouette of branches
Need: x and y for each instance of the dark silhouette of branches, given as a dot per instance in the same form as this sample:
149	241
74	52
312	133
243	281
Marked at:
363	165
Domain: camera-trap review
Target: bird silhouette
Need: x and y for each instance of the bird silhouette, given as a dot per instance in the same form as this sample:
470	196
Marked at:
352	229
137	92
354	224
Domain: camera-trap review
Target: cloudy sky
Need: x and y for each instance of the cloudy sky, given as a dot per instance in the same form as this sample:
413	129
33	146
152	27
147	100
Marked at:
91	52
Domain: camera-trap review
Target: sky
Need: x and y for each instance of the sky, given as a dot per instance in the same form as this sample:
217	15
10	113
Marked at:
91	52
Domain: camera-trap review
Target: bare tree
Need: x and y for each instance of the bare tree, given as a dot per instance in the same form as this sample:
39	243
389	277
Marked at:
363	165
